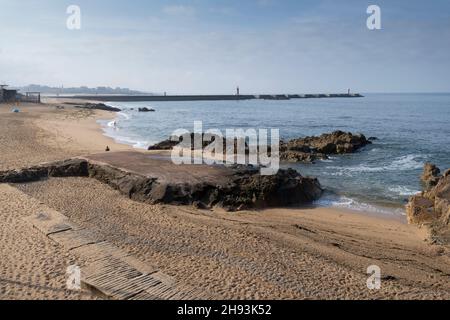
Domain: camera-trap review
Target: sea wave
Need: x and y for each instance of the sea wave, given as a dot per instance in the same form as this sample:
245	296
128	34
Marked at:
352	204
138	144
403	191
124	115
110	129
408	162
112	123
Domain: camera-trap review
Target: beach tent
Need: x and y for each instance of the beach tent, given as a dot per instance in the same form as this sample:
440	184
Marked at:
15	110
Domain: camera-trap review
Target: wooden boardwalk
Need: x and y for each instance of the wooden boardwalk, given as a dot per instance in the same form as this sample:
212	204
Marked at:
110	271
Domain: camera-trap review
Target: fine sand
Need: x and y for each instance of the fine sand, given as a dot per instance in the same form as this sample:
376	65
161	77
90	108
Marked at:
300	253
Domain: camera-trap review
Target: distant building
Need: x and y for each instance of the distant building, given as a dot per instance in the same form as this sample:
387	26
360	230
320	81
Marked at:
7	95
34	97
12	95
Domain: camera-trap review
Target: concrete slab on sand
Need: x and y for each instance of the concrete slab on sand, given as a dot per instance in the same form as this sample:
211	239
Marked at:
160	166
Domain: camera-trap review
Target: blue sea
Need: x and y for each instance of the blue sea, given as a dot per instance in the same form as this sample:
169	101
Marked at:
411	129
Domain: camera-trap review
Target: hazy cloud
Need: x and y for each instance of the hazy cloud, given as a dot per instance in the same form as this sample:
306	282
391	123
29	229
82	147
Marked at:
179	10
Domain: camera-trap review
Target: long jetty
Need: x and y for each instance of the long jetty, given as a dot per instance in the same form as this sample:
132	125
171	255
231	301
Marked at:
124	98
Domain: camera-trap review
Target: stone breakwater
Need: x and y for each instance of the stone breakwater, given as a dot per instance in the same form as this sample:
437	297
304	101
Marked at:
147	98
232	188
431	207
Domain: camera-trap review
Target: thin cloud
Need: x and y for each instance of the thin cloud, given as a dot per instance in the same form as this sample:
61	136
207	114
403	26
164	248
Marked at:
179	10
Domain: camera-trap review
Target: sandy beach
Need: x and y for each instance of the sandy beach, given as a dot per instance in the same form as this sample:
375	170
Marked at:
304	253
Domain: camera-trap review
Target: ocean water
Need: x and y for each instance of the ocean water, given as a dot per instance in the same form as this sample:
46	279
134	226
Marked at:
411	129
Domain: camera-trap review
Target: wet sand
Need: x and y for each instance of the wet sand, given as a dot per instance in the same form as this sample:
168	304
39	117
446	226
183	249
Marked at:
310	253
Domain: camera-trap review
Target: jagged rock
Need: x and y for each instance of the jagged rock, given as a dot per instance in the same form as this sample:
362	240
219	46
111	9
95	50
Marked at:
447	173
310	149
98	106
285	188
299	156
164	145
145	109
170	143
237	188
432	207
66	168
181	141
246	189
431	175
420	210
306	150
337	142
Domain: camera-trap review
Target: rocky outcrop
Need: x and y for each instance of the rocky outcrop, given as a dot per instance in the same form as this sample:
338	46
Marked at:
337	142
246	189
98	106
300	156
241	187
145	109
164	145
181	141
307	149
66	168
310	149
431	176
431	208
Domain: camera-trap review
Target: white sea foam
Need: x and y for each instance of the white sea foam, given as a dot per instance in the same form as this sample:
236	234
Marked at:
110	130
402	191
408	162
124	115
352	204
138	144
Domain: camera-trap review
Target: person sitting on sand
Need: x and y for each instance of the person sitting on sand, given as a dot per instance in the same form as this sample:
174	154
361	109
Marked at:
107	149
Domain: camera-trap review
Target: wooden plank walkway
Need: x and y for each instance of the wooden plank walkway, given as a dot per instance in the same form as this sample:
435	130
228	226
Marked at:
110	271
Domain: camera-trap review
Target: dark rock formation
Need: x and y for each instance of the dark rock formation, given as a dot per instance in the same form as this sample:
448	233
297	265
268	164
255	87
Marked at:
181	141
164	145
307	149
337	142
245	189
310	149
300	156
145	109
431	208
431	176
240	187
98	106
66	168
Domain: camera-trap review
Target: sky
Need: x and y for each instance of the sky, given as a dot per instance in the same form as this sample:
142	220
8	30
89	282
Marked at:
212	46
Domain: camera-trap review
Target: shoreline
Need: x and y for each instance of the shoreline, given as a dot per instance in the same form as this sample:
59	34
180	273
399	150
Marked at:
117	145
281	253
359	207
